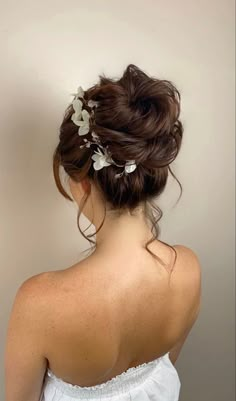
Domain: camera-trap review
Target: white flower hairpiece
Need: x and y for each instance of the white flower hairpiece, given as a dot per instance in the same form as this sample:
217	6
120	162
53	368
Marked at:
101	159
80	117
101	156
129	167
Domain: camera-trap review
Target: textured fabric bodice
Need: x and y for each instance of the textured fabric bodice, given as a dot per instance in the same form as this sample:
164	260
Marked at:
157	380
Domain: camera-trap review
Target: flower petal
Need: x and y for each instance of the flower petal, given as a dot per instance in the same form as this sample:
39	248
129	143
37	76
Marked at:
97	165
83	129
104	162
75	119
85	115
95	157
129	168
99	152
77	106
80	123
80	92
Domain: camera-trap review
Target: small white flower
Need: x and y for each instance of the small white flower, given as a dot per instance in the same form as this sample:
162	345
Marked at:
130	166
100	159
83	123
87	143
77	106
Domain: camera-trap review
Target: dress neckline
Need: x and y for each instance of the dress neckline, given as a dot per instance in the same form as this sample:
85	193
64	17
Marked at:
133	371
119	385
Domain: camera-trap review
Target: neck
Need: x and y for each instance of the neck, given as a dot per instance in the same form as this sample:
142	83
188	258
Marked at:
127	231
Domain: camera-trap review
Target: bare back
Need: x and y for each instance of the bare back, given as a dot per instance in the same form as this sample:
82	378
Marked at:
107	315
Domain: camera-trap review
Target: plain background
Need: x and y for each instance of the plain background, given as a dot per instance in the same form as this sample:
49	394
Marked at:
51	47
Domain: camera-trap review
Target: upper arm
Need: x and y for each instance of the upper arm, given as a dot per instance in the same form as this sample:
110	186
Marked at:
25	363
193	289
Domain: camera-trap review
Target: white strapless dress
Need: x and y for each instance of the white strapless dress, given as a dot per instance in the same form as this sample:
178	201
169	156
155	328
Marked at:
157	380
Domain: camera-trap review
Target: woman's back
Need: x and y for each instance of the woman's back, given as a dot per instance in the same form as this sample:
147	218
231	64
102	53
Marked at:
112	315
117	318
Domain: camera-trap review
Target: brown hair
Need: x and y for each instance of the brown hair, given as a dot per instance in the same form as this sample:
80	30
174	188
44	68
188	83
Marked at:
137	117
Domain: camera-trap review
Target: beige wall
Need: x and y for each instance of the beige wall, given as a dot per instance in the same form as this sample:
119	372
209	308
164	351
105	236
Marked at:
48	48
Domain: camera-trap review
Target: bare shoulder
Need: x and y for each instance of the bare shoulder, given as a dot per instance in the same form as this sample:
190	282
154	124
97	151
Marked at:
189	262
37	284
52	287
184	250
29	310
188	281
33	294
189	276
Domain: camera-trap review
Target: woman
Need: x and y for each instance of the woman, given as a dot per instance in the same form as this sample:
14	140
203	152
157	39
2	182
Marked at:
112	325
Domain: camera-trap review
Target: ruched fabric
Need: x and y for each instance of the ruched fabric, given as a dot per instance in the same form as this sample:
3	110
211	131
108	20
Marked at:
157	380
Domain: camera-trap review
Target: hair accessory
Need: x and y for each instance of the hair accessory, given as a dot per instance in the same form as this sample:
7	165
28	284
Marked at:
102	156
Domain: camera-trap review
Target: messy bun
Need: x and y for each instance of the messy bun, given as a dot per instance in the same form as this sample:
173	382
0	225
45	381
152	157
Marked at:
137	118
